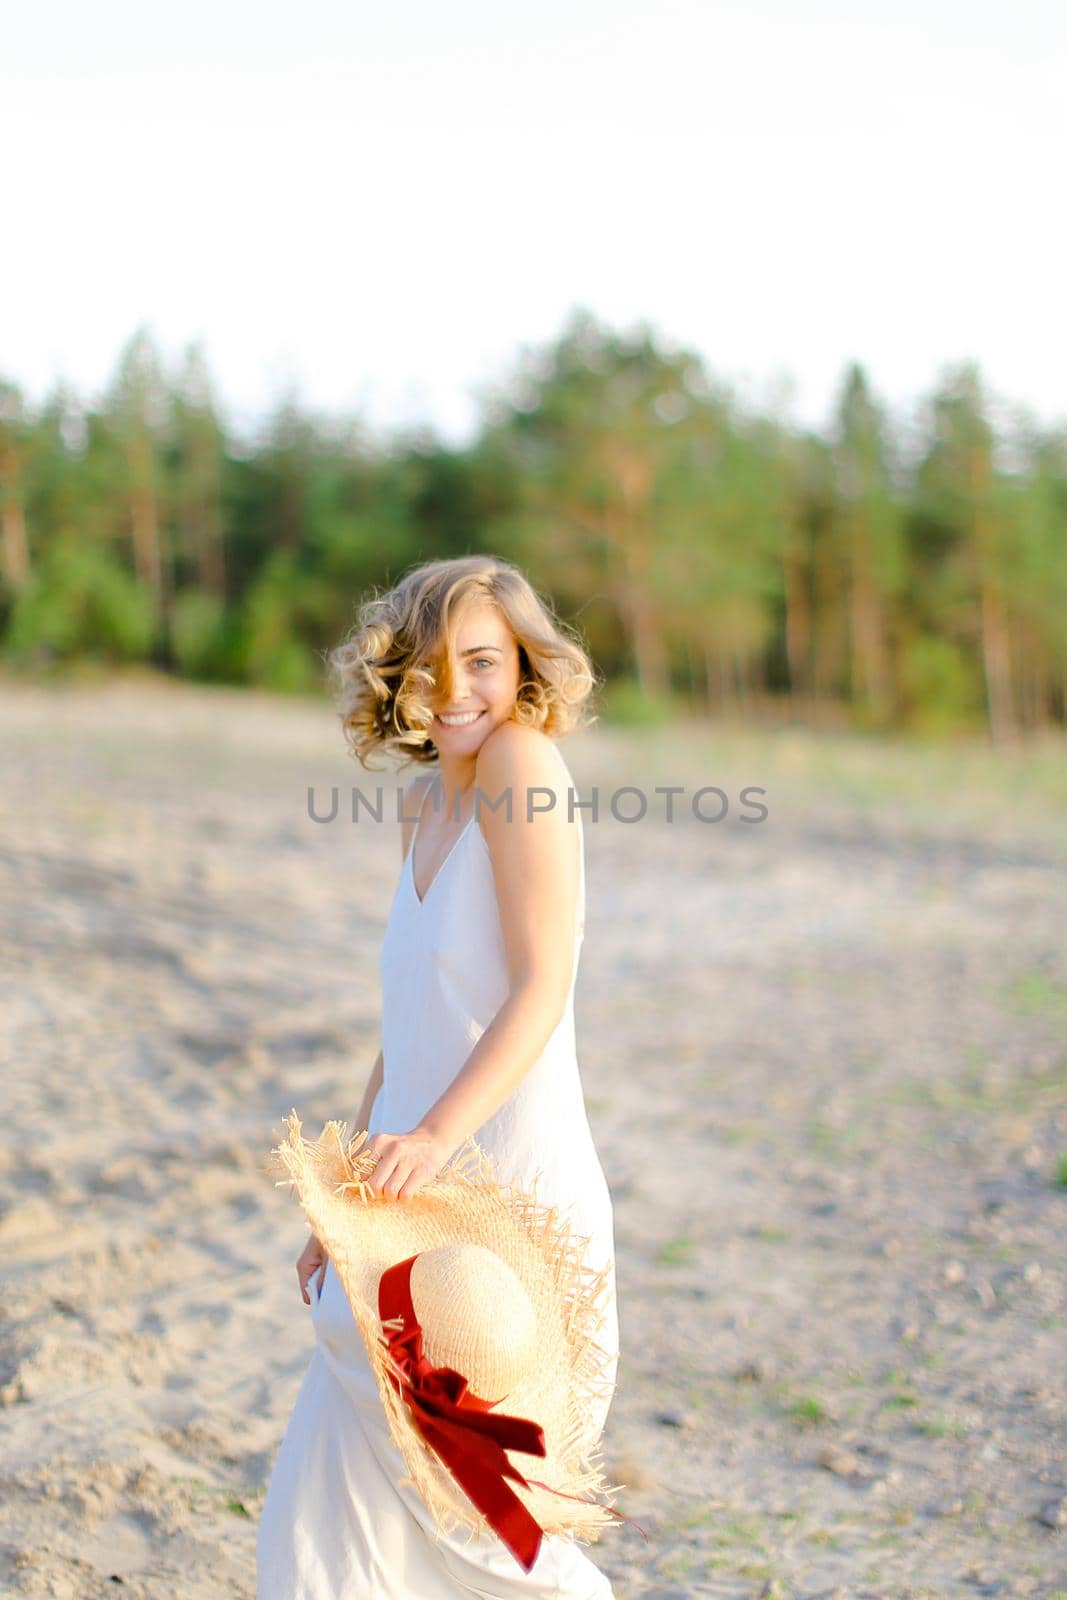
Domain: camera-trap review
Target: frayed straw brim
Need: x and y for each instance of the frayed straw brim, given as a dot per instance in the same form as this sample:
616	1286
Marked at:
364	1233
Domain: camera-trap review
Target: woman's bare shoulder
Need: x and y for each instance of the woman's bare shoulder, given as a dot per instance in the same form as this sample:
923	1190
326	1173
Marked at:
518	758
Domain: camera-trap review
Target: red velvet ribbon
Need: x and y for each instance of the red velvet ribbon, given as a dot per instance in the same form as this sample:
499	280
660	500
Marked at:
469	1438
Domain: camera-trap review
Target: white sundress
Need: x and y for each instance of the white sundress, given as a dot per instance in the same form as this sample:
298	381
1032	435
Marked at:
336	1524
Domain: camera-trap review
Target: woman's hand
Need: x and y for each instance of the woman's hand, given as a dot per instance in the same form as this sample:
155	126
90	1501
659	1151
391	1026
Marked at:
312	1259
405	1162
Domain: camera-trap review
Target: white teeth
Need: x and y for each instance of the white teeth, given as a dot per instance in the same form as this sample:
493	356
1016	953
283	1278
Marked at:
460	722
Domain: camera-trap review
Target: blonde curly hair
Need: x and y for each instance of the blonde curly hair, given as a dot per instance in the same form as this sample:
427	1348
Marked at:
382	676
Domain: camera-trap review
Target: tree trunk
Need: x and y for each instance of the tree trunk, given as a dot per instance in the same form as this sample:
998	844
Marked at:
740	666
869	672
15	544
996	658
829	636
145	518
690	674
211	564
727	696
635	540
650	653
797	627
210	556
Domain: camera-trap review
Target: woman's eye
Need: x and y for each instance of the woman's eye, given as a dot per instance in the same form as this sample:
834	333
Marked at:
483	660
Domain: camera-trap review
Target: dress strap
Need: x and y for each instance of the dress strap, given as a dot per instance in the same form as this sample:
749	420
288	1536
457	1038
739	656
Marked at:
410	857
422	808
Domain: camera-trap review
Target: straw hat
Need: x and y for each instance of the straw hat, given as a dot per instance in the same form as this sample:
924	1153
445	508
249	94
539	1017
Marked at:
467	1296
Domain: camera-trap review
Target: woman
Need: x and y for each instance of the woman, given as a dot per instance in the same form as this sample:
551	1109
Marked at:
463	669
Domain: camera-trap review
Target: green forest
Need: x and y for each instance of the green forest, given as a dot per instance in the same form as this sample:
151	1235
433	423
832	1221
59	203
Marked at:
883	574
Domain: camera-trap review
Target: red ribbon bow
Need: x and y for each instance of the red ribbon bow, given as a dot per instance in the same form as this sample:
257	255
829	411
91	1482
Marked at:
469	1438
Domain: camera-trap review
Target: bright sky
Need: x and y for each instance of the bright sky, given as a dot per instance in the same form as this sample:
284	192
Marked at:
382	202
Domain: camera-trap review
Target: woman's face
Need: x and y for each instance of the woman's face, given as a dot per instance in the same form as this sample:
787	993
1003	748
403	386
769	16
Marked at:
485	681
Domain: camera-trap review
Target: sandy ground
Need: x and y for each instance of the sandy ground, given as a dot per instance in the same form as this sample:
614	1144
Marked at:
825	1060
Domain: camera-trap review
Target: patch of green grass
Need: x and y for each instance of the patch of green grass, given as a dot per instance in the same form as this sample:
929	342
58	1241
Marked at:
1061	1170
742	1132
887	1538
969	1092
808	1411
741	1530
771	1234
903	1392
701	1515
942	1428
825	1536
824	1139
1034	994
976	1088
678	1564
678	1251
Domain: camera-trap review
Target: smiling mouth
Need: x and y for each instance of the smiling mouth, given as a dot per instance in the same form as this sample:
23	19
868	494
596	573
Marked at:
465	722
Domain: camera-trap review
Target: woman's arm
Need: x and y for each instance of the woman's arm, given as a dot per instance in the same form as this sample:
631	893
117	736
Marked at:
536	867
